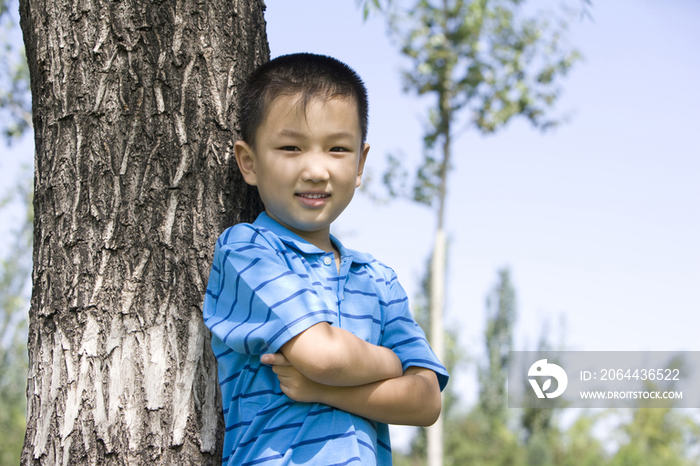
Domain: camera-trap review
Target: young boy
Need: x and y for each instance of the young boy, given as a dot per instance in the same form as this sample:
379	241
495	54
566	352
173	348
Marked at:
316	346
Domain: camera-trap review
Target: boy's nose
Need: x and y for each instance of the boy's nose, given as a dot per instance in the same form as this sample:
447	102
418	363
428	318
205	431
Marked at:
315	169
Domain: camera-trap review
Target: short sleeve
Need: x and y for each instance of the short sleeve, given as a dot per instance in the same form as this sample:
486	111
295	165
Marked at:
255	303
405	337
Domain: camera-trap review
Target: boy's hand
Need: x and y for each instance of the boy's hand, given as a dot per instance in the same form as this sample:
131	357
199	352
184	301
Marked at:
293	383
275	359
296	385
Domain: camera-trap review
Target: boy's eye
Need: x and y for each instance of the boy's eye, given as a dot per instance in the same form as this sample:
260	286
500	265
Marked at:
339	149
289	148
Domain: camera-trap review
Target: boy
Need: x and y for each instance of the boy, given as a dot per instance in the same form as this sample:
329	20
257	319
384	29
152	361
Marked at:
316	346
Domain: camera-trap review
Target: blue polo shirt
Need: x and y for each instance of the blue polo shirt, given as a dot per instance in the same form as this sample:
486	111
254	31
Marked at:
266	286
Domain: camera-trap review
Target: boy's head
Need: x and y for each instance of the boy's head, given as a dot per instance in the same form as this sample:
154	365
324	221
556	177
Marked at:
305	74
304	121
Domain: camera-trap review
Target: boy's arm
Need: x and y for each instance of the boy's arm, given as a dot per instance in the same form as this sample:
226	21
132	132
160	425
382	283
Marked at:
411	399
333	356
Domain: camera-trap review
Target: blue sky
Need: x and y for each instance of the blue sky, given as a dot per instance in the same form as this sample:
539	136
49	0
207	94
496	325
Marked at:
599	220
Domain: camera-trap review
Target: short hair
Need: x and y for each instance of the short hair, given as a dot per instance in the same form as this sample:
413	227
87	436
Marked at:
307	74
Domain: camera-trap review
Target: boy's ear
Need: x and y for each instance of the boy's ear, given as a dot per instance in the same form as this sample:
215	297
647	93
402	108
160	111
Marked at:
245	158
361	164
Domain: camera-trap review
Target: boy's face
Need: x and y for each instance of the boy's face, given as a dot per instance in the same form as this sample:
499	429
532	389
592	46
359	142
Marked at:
306	165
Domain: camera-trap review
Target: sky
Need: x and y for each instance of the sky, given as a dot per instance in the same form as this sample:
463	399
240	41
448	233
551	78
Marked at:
598	220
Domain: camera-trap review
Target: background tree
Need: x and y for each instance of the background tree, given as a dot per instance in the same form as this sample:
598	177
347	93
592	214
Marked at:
483	435
15	268
657	436
482	58
16	258
15	99
134	108
454	358
500	324
543	437
491	441
578	446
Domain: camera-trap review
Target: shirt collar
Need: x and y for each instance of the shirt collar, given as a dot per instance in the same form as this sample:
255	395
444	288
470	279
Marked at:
297	242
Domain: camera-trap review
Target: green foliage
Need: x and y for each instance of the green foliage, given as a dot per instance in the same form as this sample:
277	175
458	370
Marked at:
3	8
500	320
15	97
492	441
13	404
14	275
483	56
484	59
577	446
476	440
657	436
539	422
369	7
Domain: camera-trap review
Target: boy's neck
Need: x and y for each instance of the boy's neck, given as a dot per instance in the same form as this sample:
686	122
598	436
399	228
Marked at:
321	239
324	243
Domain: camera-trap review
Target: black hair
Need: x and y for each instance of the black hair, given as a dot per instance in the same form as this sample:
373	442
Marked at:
301	73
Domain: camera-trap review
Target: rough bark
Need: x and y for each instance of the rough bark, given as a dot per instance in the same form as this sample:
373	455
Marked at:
134	106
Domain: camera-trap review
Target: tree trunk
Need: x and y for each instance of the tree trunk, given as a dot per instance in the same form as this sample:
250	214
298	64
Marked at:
435	433
437	338
134	110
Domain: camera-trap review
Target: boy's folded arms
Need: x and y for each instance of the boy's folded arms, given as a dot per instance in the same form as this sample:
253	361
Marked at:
410	399
334	356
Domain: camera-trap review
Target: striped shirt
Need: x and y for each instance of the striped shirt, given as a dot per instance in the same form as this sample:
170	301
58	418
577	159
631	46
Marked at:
266	286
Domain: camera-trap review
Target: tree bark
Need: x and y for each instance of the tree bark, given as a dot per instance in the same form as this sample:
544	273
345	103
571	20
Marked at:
134	111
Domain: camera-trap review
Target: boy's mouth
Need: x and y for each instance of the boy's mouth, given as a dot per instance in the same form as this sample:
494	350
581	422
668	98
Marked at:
314	195
313	200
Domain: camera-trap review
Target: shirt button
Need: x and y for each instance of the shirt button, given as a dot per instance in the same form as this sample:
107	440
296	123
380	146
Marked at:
327	260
